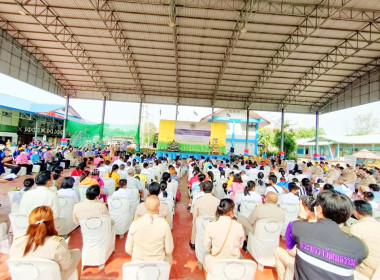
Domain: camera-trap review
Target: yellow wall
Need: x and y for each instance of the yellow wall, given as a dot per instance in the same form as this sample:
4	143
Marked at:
218	130
166	131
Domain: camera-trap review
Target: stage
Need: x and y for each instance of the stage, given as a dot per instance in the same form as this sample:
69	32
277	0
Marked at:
186	155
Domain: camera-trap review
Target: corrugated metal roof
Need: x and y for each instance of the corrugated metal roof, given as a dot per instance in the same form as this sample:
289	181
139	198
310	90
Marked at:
225	56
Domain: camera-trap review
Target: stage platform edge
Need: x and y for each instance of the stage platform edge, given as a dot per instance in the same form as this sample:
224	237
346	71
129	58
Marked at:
172	155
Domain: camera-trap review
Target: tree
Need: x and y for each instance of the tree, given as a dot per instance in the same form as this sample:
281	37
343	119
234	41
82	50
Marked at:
266	138
149	134
364	124
289	142
306	132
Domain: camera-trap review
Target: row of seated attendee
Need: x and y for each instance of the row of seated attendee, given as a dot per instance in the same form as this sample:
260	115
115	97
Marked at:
322	210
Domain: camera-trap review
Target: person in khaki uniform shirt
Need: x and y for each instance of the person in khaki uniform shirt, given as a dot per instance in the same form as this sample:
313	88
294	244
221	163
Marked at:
41	241
224	237
164	211
203	206
368	230
91	207
269	210
150	237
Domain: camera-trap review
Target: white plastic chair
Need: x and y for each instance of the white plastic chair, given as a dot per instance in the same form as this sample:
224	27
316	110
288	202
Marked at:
82	192
22	171
228	269
36	168
201	222
146	270
3	231
67	206
121	215
172	188
109	183
19	224
264	241
98	240
219	191
76	180
135	201
36	269
246	208
170	205
14	200
291	214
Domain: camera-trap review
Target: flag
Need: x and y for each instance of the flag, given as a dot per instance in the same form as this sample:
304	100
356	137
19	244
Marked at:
160	112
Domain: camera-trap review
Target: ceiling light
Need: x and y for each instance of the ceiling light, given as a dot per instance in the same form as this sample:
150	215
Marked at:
171	23
244	29
21	12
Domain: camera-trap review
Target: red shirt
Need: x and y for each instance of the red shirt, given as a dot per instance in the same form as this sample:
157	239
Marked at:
76	172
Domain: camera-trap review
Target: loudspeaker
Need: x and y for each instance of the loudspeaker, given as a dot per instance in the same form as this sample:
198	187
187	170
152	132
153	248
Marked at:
154	145
232	150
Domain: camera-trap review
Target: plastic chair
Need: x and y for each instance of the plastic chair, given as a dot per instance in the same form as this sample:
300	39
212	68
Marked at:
67	206
82	192
146	270
172	188
3	231
246	208
19	224
291	214
14	200
264	241
219	191
233	269
37	269
201	222
22	171
375	276
121	215
36	168
109	183
98	240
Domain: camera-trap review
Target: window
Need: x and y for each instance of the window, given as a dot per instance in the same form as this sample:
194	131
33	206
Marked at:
6	114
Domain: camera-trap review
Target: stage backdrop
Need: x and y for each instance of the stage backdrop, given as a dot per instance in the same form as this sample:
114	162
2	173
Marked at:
192	136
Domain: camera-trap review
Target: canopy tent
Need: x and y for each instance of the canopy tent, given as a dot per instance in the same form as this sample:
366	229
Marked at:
365	154
301	56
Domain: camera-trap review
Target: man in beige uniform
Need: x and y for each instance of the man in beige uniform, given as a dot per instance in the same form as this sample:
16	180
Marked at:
164	212
269	210
368	230
54	248
203	206
91	207
149	237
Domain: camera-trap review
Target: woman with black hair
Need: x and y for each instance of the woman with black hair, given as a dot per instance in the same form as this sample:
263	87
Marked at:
224	237
57	178
67	189
163	193
260	184
249	194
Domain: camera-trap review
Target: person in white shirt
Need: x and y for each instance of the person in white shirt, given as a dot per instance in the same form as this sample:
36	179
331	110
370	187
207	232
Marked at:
67	189
133	182
291	197
119	161
249	194
272	180
244	176
122	172
122	190
40	196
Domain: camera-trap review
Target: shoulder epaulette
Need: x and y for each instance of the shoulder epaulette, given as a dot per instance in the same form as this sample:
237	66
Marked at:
345	230
135	219
58	238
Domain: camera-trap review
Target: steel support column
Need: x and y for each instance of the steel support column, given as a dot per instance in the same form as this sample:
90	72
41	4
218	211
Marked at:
212	113
247	129
282	129
103	116
36	131
316	132
66	115
176	112
138	144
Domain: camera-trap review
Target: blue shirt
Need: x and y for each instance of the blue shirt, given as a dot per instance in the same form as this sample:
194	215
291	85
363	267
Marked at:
34	158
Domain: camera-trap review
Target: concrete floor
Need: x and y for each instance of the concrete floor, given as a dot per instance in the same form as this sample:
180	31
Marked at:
184	259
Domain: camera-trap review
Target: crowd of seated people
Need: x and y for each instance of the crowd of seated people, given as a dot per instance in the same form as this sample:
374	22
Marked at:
334	234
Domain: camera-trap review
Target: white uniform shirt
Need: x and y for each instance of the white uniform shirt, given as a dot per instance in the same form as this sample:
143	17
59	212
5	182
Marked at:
69	193
274	188
288	198
132	182
121	192
253	196
38	197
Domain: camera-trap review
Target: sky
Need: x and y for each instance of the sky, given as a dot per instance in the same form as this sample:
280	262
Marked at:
337	123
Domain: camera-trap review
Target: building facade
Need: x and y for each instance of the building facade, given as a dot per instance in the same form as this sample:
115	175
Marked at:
236	124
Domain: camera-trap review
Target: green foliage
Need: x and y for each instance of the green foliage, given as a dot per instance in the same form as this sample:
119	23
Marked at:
266	138
306	132
364	124
289	143
149	134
